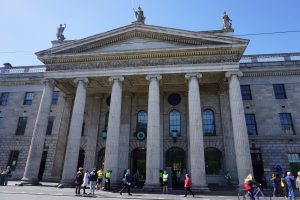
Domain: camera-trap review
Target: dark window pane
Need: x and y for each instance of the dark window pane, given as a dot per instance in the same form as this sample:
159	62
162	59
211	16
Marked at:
142	120
208	120
286	123
174	122
4	98
13	159
246	92
279	91
251	124
28	98
55	97
21	126
50	125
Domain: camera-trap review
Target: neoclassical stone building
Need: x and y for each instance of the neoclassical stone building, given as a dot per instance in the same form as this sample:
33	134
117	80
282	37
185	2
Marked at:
147	97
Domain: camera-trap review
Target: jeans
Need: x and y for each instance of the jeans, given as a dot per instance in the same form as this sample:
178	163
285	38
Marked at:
291	193
78	188
92	187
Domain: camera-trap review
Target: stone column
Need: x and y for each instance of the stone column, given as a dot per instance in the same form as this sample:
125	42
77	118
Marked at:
230	163
124	155
196	148
38	136
92	125
153	134
73	146
62	137
113	130
240	136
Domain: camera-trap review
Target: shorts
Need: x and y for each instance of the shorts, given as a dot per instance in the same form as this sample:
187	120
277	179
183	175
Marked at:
99	180
165	183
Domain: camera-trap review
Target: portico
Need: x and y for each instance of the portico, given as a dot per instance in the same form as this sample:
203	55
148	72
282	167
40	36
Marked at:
136	68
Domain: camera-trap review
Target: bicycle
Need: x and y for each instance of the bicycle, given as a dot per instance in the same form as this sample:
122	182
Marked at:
244	194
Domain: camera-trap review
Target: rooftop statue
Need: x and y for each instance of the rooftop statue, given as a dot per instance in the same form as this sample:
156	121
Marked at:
227	25
139	15
59	33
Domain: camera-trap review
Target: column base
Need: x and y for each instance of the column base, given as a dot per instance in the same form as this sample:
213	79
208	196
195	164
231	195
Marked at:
27	181
149	187
68	183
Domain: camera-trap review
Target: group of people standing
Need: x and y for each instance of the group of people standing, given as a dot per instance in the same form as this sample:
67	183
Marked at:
93	179
284	184
5	175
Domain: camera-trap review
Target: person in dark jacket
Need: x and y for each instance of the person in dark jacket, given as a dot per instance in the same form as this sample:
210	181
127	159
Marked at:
78	181
188	185
93	181
127	182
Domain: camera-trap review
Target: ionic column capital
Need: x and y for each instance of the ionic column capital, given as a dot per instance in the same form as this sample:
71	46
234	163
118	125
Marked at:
151	76
118	78
233	73
85	81
191	75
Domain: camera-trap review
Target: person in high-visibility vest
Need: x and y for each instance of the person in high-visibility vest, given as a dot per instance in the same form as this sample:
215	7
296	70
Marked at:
107	179
99	178
165	181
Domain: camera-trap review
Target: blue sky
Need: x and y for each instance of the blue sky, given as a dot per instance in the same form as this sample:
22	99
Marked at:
28	26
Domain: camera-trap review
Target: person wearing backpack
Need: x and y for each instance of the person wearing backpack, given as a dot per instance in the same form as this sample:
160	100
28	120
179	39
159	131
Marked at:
78	181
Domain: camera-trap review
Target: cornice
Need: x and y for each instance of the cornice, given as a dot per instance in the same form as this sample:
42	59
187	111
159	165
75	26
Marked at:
271	73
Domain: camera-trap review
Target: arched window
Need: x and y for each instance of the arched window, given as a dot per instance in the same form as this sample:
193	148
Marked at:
208	122
213	161
174	122
142	119
106	121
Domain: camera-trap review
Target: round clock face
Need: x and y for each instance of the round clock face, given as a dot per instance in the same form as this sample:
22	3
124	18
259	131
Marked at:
140	135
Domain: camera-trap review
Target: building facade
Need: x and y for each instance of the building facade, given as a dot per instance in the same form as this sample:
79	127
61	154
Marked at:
146	97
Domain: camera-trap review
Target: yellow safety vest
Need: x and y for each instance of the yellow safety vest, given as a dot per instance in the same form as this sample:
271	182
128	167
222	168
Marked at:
107	175
165	177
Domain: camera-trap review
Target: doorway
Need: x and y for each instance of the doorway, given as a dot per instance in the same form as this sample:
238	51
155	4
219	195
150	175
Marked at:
100	159
258	168
176	159
81	158
138	165
42	165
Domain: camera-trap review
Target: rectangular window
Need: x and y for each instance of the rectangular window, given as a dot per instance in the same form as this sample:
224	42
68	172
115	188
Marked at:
4	98
246	92
286	123
21	126
13	159
279	91
294	162
28	98
50	125
82	130
251	124
55	96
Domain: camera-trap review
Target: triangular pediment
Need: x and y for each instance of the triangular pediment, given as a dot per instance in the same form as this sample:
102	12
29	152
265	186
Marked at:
136	37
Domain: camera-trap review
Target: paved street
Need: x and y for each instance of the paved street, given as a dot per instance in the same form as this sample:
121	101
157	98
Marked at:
12	192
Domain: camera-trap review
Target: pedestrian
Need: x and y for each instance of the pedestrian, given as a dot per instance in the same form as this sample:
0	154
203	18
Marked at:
188	185
107	179
273	182
165	181
78	181
298	181
290	182
227	176
249	183
161	172
93	181
7	174
99	178
86	180
127	182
